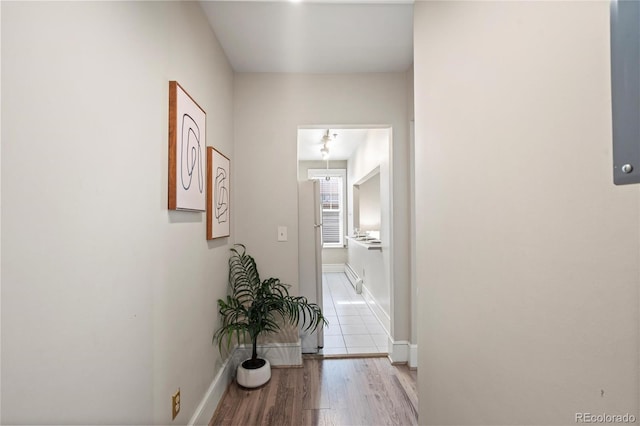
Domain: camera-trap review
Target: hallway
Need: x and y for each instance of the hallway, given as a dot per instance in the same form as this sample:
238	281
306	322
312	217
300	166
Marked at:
352	329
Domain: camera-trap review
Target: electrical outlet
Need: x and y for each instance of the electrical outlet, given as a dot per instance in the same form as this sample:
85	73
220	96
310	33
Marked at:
175	404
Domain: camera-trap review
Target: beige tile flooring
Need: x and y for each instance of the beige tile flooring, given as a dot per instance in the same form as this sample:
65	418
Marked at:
352	329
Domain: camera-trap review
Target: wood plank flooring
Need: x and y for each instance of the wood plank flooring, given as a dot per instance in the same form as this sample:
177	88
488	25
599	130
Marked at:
338	392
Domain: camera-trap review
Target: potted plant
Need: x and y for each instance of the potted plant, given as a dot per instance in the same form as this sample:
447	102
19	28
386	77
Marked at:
254	307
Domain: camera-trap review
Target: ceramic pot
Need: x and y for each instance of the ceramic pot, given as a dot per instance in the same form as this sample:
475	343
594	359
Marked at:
252	376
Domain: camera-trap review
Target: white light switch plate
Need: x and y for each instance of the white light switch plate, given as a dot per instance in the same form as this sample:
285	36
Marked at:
282	233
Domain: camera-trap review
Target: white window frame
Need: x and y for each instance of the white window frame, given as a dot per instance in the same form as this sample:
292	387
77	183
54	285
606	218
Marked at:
342	173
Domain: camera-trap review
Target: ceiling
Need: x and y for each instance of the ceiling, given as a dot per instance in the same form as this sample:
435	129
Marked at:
319	36
341	148
314	37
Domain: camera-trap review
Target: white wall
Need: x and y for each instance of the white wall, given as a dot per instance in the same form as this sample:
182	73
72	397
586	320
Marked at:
268	110
528	254
370	204
108	299
373	156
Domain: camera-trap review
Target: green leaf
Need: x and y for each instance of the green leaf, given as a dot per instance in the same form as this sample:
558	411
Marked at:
253	307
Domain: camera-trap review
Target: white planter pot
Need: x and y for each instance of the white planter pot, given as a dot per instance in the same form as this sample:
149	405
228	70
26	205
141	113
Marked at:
253	377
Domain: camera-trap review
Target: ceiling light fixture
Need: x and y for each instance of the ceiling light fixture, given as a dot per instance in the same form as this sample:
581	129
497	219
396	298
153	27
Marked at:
324	151
326	138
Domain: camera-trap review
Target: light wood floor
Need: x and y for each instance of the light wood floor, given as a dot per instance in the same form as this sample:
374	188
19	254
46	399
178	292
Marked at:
340	392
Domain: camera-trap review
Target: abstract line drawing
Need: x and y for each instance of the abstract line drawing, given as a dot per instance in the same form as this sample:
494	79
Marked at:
187	141
218	194
191	151
221	195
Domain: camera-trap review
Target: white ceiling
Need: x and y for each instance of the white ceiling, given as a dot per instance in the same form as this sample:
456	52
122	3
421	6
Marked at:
340	148
318	37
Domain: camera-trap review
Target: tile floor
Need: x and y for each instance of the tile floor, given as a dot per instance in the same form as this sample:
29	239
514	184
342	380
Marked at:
352	329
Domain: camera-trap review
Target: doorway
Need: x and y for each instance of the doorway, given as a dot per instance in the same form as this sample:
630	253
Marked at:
353	168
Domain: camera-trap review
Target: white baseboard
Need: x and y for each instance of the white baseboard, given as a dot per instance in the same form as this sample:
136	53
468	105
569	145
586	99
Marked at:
398	351
206	408
278	354
333	267
413	356
382	316
401	352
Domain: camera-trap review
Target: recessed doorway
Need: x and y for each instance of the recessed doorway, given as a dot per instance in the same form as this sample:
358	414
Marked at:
351	254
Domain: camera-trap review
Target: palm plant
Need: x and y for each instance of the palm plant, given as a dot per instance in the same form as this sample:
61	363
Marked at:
254	307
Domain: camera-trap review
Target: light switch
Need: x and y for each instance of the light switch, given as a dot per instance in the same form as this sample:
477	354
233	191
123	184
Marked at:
282	233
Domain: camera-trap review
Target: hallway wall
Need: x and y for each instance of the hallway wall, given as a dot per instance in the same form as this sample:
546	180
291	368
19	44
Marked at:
529	256
268	110
108	299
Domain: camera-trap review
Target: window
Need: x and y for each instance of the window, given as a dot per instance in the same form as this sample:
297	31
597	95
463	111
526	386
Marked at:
332	196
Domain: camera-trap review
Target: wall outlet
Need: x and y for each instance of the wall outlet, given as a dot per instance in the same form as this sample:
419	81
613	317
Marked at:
175	404
282	233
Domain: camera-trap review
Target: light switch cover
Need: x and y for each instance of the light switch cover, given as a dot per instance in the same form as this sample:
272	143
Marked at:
282	233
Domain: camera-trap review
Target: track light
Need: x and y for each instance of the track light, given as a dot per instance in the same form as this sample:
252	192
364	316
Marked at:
324	151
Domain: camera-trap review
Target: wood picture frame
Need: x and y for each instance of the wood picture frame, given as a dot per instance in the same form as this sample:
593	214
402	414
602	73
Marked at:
187	143
218	194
